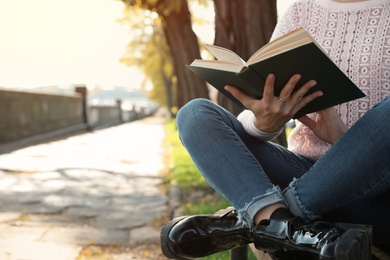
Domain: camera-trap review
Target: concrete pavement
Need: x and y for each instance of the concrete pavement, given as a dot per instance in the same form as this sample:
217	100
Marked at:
95	188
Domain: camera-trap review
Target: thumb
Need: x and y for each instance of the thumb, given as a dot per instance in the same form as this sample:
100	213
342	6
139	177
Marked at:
241	96
307	121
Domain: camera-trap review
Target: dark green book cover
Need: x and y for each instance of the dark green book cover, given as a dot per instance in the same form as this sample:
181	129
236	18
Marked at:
307	60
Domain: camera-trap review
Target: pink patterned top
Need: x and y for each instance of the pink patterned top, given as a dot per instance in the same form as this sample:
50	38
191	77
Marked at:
357	38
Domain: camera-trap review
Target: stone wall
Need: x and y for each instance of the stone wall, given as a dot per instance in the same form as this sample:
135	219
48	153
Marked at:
103	115
25	114
28	118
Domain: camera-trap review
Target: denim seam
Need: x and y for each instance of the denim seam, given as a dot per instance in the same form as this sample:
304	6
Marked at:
294	203
247	214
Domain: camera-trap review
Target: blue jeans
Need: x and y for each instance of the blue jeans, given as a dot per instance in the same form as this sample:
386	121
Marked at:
353	176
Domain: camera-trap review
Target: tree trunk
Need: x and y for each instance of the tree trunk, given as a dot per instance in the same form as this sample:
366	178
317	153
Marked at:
244	27
182	42
184	47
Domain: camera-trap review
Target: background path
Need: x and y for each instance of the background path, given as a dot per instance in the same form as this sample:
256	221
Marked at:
98	188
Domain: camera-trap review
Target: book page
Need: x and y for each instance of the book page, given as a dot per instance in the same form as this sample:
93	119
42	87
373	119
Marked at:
289	40
218	65
273	52
226	55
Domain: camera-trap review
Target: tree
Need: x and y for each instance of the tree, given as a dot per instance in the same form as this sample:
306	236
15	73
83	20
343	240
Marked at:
149	52
182	42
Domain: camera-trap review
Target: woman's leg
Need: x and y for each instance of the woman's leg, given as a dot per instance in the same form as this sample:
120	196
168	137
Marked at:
244	170
238	166
356	168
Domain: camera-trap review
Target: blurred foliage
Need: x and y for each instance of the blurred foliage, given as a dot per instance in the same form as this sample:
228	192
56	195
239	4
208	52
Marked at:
148	49
149	52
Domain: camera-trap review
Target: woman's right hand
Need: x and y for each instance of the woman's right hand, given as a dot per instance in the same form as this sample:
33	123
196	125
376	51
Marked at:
271	112
327	125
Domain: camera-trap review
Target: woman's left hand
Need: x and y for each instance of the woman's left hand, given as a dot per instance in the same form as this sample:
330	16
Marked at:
272	113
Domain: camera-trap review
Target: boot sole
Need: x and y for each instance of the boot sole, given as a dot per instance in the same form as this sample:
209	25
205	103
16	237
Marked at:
354	244
164	239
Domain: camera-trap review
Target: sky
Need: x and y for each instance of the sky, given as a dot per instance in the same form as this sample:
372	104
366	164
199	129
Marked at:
65	42
56	42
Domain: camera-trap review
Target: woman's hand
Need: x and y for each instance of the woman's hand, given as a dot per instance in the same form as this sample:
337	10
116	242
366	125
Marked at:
272	113
327	125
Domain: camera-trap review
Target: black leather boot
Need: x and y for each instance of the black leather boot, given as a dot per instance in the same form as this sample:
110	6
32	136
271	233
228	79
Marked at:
202	235
292	239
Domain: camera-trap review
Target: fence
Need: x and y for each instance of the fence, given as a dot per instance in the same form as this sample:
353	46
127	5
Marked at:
27	117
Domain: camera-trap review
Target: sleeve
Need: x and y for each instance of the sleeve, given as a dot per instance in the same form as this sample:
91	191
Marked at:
246	118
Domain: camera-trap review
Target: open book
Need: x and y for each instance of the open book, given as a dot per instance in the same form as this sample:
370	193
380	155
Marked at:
294	53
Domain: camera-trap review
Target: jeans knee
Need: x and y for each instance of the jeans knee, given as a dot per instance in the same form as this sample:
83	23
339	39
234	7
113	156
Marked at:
380	110
195	108
191	114
194	105
384	104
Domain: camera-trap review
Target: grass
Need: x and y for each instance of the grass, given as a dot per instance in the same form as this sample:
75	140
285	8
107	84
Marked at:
198	197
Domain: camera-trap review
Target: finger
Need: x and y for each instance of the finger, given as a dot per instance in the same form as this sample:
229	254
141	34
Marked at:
288	89
301	92
328	112
268	94
241	96
307	121
307	99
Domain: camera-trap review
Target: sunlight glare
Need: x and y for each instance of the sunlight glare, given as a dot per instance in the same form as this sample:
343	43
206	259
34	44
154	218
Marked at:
61	42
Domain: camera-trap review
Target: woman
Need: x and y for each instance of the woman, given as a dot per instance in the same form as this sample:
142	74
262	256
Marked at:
337	163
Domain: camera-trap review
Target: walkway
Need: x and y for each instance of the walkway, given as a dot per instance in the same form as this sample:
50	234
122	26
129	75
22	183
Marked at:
96	188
